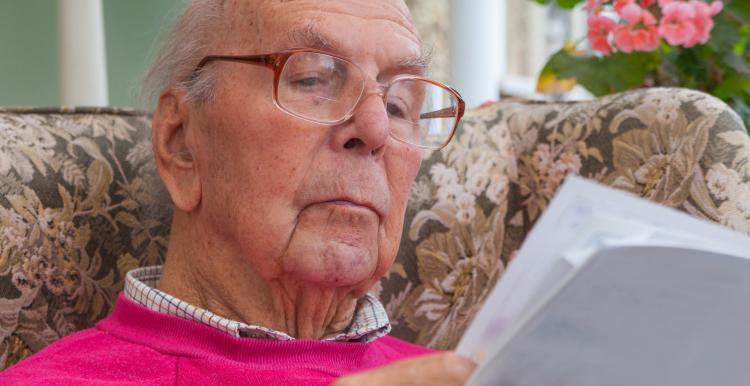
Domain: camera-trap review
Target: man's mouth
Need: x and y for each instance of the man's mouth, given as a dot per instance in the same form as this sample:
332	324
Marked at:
346	202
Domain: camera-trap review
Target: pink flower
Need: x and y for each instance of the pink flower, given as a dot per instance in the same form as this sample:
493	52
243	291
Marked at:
677	25
629	40
649	40
594	6
683	23
631	13
703	21
620	4
598	34
641	34
688	23
716	7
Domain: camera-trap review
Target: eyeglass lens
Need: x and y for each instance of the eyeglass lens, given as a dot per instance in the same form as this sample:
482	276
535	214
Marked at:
325	89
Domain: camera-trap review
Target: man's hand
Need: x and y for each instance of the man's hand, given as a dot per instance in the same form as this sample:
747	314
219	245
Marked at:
435	369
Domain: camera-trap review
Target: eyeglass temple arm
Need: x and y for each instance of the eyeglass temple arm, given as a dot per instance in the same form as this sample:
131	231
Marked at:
448	112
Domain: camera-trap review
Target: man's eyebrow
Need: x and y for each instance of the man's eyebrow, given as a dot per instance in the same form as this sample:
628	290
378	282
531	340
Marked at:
417	64
310	37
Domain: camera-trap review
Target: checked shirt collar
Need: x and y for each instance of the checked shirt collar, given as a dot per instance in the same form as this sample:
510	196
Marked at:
370	321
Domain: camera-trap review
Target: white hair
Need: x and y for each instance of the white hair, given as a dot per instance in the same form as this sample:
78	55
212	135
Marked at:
186	43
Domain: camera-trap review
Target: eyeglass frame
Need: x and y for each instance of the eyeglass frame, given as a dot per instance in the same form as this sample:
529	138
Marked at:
276	61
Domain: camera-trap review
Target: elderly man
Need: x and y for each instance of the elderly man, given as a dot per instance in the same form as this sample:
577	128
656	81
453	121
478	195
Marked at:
287	134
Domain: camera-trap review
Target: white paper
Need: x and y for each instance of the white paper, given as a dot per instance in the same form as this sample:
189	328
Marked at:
582	218
640	315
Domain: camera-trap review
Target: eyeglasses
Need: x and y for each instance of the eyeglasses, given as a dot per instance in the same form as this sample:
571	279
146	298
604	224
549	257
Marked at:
324	88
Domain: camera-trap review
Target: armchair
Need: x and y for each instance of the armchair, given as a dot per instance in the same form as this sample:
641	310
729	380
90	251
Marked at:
81	203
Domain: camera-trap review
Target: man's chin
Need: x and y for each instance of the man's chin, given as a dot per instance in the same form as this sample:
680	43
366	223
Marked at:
332	247
333	264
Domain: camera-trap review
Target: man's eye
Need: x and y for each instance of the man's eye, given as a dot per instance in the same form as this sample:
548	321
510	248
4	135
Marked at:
395	110
309	82
400	106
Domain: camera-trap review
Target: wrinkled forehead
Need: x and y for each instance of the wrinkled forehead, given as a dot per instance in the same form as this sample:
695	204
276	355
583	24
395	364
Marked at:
359	29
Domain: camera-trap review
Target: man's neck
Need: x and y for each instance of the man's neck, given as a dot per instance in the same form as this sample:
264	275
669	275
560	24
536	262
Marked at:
220	281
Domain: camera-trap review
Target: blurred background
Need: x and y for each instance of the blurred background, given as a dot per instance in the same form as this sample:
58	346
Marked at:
30	46
481	47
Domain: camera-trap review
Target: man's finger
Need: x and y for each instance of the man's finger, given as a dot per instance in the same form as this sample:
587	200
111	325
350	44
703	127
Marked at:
436	369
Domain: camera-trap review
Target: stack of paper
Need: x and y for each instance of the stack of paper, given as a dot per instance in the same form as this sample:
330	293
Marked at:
611	289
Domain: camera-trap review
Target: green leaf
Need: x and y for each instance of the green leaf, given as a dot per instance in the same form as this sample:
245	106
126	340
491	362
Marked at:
566	4
603	75
740	8
737	63
725	34
742	47
694	67
743	110
731	86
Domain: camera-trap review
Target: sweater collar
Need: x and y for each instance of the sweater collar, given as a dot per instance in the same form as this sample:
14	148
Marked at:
369	323
176	336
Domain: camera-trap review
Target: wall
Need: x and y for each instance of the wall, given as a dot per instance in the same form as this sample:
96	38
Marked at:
28	45
28	52
133	27
28	48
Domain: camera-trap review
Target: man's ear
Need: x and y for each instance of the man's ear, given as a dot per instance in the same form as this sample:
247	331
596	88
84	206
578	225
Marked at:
174	148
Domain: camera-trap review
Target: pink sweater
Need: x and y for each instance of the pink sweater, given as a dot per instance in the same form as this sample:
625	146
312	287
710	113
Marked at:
135	345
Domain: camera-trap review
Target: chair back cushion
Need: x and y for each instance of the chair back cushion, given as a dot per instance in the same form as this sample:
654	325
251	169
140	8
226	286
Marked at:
81	202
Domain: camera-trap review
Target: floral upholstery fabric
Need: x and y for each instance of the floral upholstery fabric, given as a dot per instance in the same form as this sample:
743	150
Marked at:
81	203
474	201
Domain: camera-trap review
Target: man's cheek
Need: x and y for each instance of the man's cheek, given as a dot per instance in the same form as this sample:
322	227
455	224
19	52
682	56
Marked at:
262	224
389	238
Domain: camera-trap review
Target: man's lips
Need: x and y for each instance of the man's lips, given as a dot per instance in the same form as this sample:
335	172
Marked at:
353	204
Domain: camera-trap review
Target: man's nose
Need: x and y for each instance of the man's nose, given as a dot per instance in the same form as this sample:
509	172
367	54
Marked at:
368	129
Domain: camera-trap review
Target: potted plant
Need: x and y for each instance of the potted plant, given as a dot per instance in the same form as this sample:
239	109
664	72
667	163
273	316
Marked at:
698	44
